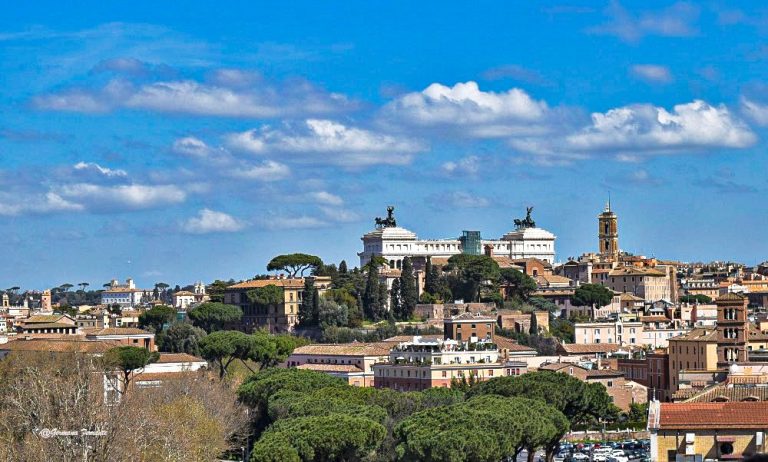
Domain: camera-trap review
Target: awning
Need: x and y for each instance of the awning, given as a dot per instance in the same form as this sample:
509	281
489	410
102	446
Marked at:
726	439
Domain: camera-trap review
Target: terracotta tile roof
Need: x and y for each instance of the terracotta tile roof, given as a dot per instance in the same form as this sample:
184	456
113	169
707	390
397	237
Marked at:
587	348
44	318
471	317
713	416
634	271
330	367
511	345
603	373
699	334
178	358
547	279
119	331
49	325
256	283
344	349
556	367
505	262
654	319
729	393
58	345
731	297
627	297
183	292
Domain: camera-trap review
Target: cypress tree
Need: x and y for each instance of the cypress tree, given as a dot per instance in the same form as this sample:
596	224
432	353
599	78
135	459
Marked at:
409	292
343	267
371	300
306	309
395	301
534	330
383	296
430	284
315	307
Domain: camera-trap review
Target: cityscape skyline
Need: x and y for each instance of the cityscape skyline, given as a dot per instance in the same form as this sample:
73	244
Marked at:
140	143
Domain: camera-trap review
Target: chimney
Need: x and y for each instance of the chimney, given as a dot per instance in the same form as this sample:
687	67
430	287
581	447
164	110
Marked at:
488	250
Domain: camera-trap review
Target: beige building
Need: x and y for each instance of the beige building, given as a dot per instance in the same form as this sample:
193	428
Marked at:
280	318
707	431
695	350
351	361
619	332
651	284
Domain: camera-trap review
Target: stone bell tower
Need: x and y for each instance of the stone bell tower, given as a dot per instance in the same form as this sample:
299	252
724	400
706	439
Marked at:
732	329
608	234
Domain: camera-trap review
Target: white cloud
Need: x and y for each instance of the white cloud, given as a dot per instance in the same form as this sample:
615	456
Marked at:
677	20
210	221
339	215
468	109
326	198
647	128
192	146
756	111
14	204
467	166
121	197
326	141
228	96
643	129
267	171
652	73
94	167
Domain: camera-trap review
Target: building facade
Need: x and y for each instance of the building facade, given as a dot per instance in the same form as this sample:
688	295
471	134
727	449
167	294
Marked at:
394	243
125	295
281	317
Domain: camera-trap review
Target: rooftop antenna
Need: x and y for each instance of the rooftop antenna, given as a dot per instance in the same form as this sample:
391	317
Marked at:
609	200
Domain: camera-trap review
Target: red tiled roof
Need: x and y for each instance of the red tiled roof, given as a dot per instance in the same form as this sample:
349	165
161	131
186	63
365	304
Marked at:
256	283
714	416
347	368
505	343
585	348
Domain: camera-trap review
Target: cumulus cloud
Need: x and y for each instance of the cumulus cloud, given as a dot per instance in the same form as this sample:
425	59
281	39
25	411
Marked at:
651	73
678	20
635	130
191	146
756	111
210	221
482	114
654	129
266	171
326	141
13	204
228	95
467	166
121	197
94	167
326	198
227	164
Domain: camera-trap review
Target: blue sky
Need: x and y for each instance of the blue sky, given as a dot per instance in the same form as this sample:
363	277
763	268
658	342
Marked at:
175	144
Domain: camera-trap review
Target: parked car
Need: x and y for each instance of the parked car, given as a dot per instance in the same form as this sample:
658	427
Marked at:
580	457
